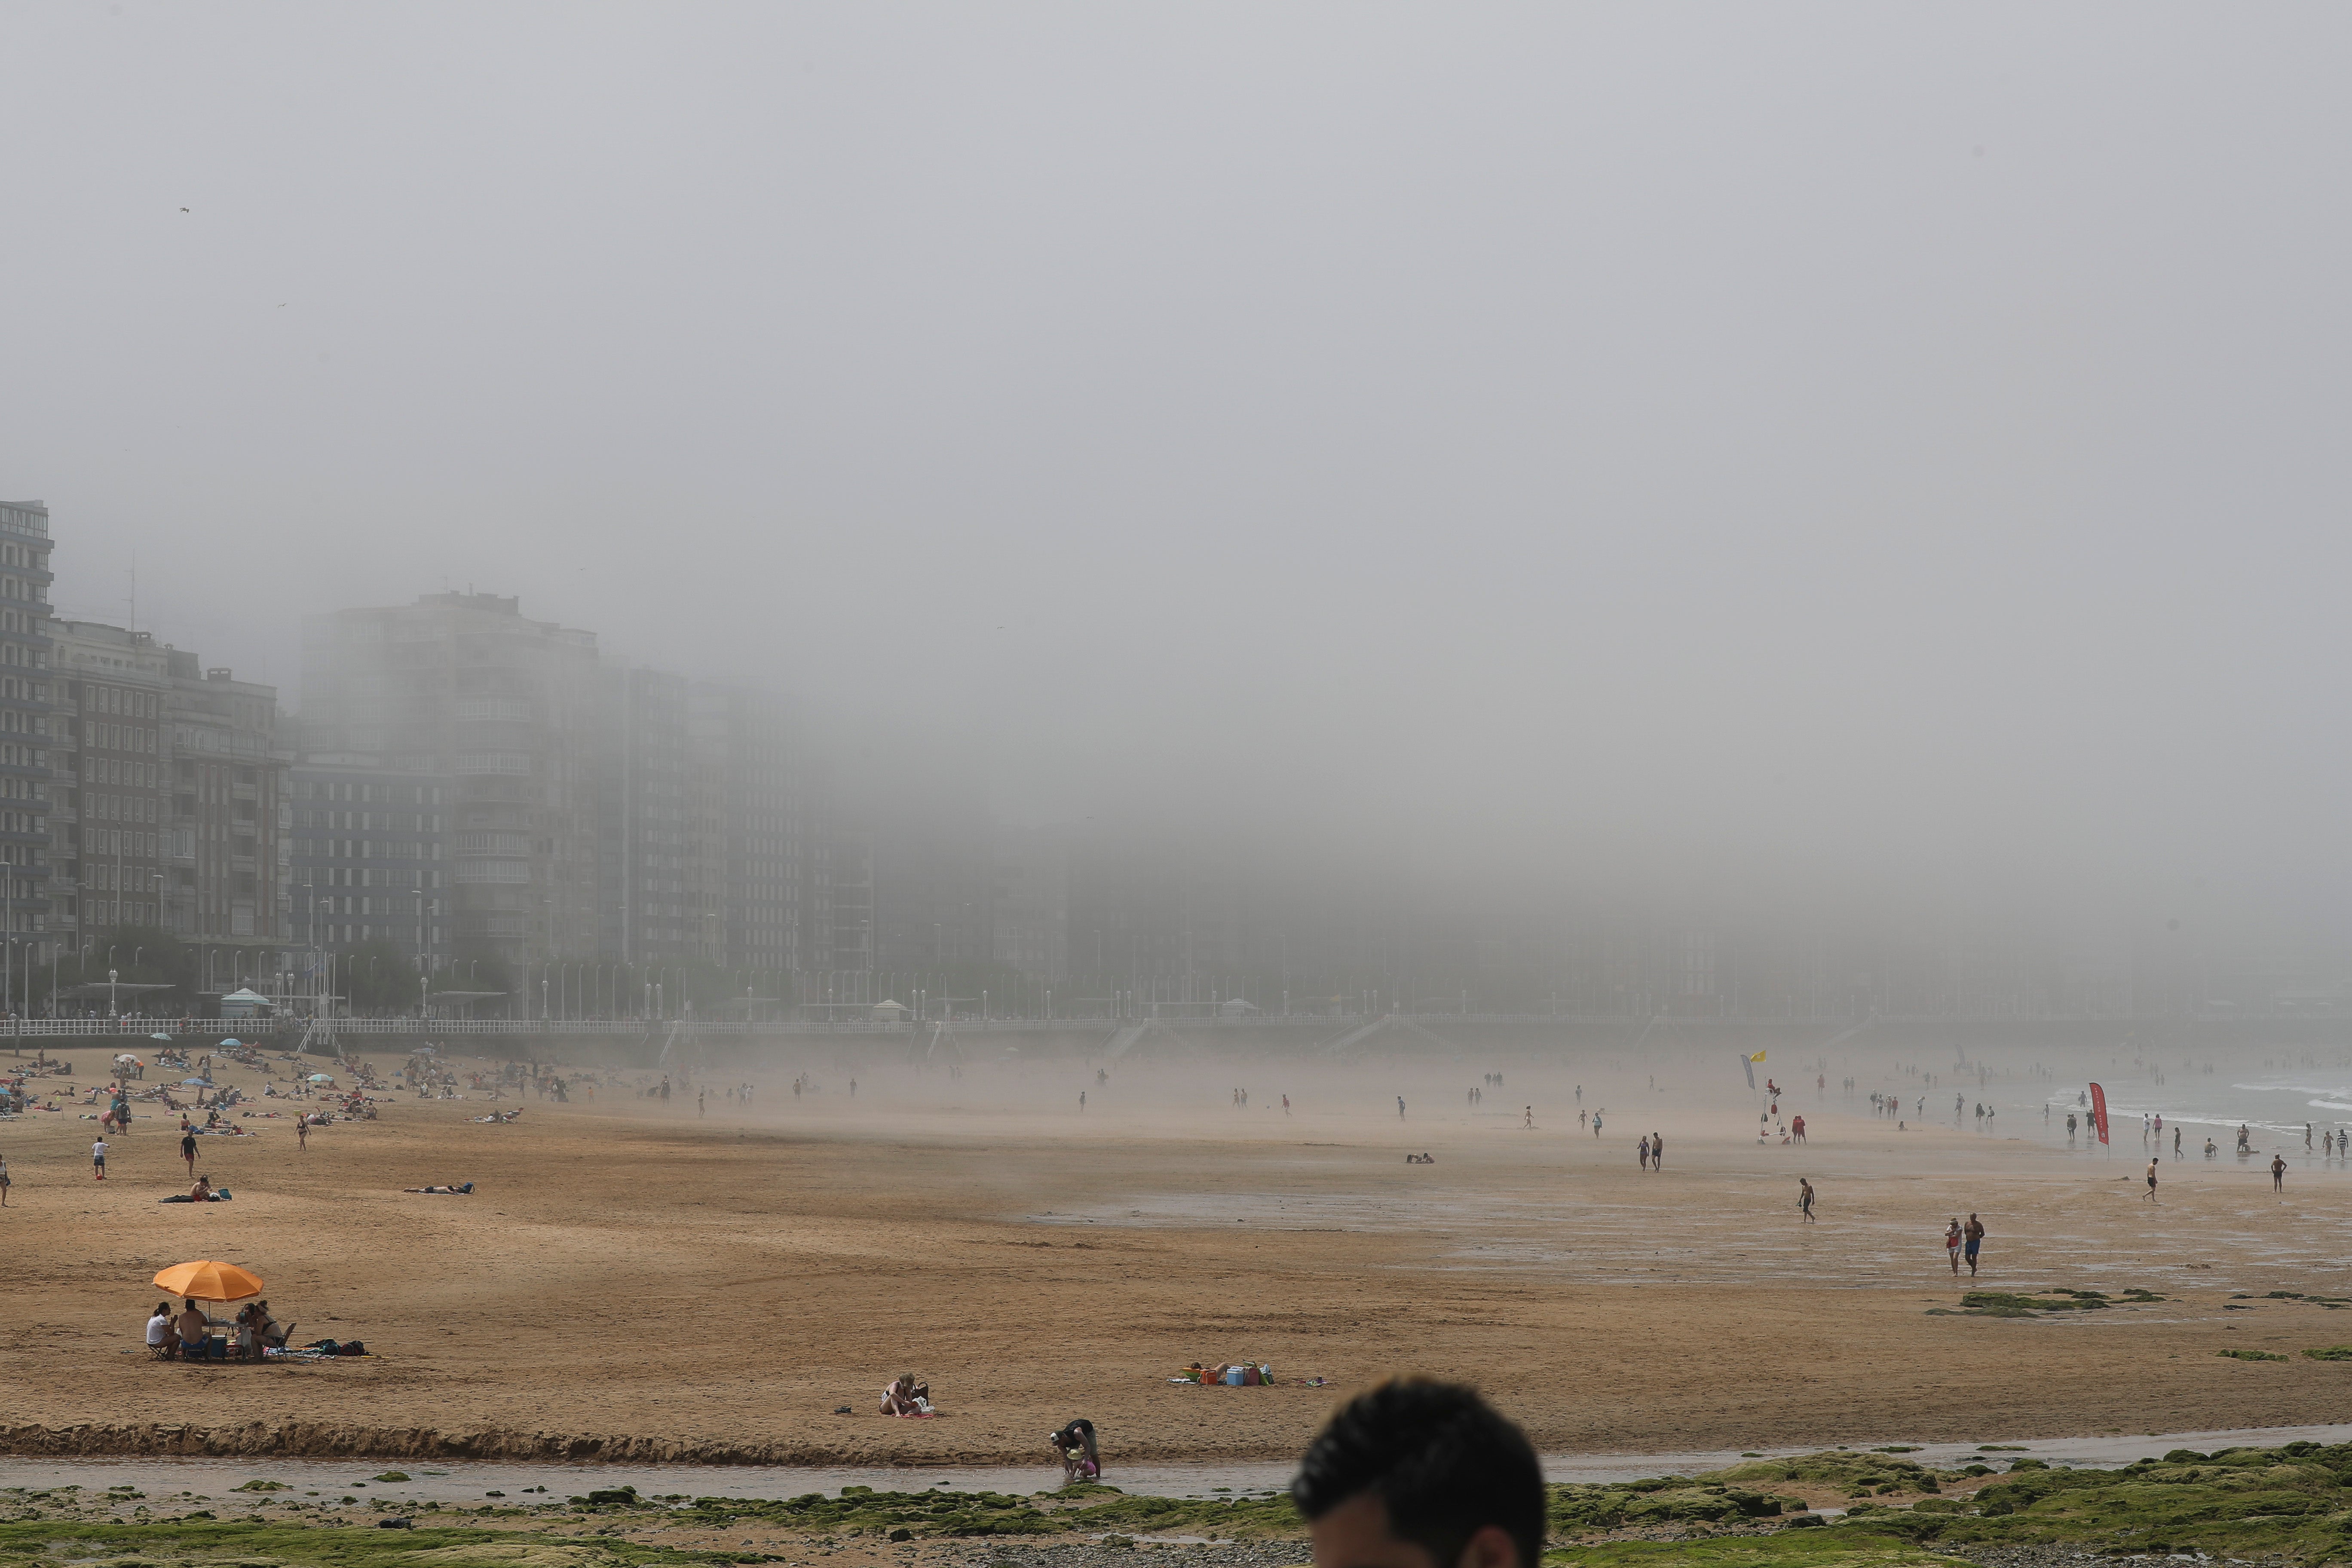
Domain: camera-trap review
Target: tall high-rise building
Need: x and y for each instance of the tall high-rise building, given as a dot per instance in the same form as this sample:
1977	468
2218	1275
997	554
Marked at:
111	822
225	861
26	714
370	858
504	709
643	816
709	851
752	755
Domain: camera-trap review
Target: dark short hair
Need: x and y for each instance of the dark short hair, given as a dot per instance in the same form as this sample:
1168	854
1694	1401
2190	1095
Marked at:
1444	1462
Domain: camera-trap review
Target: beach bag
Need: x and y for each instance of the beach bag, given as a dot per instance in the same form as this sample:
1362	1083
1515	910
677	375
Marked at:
1252	1377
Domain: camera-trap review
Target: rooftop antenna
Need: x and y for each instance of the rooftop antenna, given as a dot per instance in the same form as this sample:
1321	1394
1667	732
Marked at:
134	591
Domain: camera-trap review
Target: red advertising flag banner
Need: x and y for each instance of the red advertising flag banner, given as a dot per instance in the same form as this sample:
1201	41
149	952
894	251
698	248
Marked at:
2099	1110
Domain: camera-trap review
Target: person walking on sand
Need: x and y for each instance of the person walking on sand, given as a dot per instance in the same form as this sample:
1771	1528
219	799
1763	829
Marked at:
98	1159
1400	1108
1658	1154
1804	1201
4	1180
1646	1152
1530	1123
302	1133
1971	1238
188	1150
2278	1172
2151	1180
1952	1246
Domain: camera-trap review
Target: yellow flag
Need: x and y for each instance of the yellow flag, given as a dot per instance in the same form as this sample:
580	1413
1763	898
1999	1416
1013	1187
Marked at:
1757	1057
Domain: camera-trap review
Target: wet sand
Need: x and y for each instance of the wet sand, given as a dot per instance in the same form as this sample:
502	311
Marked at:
639	1284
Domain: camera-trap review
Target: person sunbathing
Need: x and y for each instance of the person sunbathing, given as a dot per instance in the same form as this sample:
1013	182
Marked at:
461	1189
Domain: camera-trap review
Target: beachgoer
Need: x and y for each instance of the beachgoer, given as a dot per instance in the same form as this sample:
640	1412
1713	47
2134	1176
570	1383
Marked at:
1082	1100
1286	1105
1400	1108
1644	1151
2151	1181
98	1159
2278	1172
1797	1126
158	1328
3	1181
1074	1445
1530	1122
1416	1474
904	1396
202	1192
188	1150
1596	1124
1952	1244
1805	1200
303	1131
1658	1154
1972	1237
193	1331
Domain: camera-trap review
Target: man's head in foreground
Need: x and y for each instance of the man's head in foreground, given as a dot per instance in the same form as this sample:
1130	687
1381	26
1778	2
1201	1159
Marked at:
1422	1474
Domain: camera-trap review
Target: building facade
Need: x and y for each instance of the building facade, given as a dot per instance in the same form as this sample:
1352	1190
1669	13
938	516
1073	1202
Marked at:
27	716
112	827
643	816
227	857
370	860
502	710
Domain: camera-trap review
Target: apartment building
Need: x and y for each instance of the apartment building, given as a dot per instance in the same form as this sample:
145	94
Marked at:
228	853
112	820
503	710
708	850
749	754
27	716
644	817
370	860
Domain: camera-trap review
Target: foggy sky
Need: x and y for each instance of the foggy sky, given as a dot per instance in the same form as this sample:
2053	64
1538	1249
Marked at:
1762	453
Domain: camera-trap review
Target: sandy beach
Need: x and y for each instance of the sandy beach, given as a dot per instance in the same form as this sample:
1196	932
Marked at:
631	1281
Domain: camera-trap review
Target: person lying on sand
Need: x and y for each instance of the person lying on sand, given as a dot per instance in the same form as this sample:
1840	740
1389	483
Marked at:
204	1192
460	1189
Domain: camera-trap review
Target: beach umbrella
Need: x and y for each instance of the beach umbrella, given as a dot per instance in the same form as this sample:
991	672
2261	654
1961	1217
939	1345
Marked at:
204	1281
226	1044
165	1038
321	1078
196	1083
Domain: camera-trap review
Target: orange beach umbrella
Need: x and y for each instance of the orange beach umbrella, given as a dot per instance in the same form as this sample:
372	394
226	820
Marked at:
209	1282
